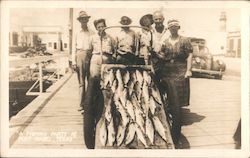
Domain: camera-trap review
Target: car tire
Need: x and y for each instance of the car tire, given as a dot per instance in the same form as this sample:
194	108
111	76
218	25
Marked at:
219	77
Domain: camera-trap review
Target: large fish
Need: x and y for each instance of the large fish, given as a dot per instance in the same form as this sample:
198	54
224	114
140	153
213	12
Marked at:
103	133
153	105
107	114
120	135
111	133
130	110
114	86
119	76
105	80
111	77
136	103
139	118
156	94
131	133
120	108
130	87
126	78
139	77
145	93
133	76
123	96
149	130
147	78
159	128
138	91
141	136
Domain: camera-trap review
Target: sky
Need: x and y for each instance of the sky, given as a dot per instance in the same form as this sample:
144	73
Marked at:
195	22
191	19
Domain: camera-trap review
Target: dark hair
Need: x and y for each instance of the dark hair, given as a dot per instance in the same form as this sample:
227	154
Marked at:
99	21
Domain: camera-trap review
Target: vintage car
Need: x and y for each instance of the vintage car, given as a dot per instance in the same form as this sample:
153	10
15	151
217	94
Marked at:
203	63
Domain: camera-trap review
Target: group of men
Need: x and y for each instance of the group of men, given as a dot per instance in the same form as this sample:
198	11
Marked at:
91	50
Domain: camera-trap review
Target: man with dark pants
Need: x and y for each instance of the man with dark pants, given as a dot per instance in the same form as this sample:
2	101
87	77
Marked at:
102	48
81	55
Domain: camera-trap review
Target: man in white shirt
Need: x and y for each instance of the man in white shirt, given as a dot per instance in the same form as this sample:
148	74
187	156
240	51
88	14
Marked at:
159	30
81	54
102	50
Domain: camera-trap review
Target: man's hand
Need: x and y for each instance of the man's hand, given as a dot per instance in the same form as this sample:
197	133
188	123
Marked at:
188	74
74	67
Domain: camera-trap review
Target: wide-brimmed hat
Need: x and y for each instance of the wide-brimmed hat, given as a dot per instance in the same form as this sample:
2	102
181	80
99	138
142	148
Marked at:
83	14
173	22
125	20
100	21
145	18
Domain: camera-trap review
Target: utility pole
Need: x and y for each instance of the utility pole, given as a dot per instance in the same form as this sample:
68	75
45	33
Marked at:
70	29
70	34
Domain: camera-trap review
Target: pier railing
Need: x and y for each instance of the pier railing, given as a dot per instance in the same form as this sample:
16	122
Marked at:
61	66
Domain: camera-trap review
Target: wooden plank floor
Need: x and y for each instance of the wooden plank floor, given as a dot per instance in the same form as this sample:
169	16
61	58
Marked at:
58	124
209	122
212	117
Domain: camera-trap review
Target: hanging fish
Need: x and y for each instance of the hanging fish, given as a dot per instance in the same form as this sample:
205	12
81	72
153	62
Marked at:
121	110
114	86
156	95
105	80
147	77
119	76
126	78
159	128
139	77
103	133
120	135
130	109
111	132
149	130
138	91
145	94
107	114
111	77
131	133
153	105
141	136
130	87
136	103
133	76
123	96
139	118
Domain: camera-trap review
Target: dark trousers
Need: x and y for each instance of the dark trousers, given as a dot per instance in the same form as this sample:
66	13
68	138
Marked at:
93	106
82	63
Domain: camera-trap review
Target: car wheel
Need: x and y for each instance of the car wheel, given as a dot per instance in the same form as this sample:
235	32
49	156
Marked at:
219	77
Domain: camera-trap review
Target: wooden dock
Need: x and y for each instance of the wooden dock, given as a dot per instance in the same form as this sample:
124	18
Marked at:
209	122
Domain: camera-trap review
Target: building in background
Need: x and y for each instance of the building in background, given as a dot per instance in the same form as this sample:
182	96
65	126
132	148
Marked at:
53	37
234	43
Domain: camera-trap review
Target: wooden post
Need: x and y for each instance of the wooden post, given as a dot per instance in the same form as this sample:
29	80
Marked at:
40	77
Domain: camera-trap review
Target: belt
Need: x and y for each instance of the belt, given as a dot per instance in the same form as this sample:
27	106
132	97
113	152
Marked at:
103	53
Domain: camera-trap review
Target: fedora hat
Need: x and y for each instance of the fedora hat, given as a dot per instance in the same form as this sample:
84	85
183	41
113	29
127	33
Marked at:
125	20
146	19
83	14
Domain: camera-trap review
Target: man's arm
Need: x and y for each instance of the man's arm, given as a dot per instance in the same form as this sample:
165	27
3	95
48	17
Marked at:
73	55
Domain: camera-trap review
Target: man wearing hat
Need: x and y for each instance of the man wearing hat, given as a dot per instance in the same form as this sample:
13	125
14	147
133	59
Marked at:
144	37
102	46
81	54
126	42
